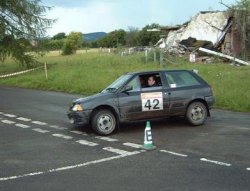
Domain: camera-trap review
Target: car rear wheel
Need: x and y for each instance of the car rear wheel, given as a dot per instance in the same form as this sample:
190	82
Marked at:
103	122
196	113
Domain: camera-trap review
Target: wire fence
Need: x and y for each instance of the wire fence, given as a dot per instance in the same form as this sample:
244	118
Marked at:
154	55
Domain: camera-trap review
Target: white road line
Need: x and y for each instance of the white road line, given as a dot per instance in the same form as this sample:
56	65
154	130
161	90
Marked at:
8	121
40	130
9	115
39	123
83	142
78	132
57	127
215	162
69	167
137	146
23	119
1	112
117	151
106	139
174	153
22	125
248	168
62	136
244	128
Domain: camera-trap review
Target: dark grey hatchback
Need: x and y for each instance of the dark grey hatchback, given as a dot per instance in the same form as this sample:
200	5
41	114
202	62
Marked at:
145	95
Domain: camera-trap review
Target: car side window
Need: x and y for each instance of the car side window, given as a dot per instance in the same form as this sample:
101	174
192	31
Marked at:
181	79
150	80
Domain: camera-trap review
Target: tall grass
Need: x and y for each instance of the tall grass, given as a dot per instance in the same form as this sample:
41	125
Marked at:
88	73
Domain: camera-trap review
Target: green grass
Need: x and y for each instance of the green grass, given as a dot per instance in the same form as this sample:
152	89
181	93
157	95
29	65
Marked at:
88	73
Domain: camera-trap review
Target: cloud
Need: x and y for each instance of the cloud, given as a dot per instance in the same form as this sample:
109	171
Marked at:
107	15
96	17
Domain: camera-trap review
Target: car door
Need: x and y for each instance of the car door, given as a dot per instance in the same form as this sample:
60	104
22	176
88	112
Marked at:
182	89
142	103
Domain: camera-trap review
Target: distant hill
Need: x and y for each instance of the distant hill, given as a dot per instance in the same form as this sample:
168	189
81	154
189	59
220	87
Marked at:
90	37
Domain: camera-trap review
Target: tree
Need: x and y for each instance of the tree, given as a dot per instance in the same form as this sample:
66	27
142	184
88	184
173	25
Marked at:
59	36
72	43
147	38
55	44
21	19
132	37
113	39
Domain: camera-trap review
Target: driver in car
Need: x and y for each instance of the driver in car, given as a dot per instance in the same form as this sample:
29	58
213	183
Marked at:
152	81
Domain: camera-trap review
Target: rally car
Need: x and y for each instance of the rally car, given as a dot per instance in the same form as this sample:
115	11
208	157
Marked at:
130	98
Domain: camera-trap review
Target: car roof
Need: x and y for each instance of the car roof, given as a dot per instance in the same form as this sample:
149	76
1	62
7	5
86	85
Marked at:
155	71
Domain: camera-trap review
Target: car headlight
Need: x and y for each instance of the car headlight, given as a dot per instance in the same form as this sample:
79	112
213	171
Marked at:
77	107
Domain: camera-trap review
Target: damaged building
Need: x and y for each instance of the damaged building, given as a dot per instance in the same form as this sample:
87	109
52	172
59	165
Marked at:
211	30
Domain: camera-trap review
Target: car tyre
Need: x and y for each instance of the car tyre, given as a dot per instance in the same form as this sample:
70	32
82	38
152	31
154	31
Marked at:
196	113
103	122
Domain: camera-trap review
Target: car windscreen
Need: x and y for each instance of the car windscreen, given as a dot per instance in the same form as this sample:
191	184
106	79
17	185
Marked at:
117	84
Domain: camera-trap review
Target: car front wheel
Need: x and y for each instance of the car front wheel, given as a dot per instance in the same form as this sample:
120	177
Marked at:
103	122
196	113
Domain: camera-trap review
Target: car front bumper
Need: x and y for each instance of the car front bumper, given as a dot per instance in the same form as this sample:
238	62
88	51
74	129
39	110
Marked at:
79	117
210	101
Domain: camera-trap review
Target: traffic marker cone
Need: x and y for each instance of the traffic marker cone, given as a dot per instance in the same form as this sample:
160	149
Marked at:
148	143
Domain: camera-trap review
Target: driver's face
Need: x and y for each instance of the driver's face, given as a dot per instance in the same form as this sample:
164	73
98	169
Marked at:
151	81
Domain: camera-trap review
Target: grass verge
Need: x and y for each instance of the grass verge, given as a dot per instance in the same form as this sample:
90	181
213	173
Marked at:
89	72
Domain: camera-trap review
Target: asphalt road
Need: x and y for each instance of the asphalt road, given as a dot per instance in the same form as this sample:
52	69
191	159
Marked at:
40	150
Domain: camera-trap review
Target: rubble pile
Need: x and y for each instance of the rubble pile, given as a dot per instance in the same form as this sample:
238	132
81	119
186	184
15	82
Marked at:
213	31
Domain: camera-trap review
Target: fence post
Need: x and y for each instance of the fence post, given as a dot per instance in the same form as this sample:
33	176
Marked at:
161	58
45	69
154	55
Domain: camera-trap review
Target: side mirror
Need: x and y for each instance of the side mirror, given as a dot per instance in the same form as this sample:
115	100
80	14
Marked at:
127	88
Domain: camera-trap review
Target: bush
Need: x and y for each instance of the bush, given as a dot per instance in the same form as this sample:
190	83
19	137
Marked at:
67	49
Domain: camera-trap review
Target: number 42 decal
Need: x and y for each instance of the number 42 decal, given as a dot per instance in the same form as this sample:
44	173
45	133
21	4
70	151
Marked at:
154	104
152	101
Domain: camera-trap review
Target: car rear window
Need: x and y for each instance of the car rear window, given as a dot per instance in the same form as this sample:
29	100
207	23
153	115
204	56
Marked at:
181	79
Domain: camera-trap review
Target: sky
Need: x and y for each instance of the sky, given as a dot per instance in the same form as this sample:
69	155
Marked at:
88	16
